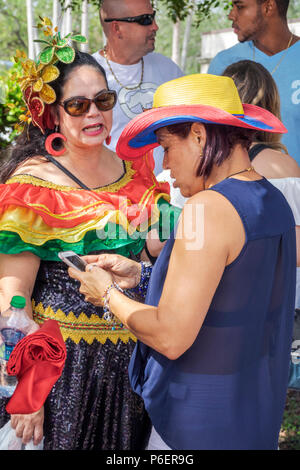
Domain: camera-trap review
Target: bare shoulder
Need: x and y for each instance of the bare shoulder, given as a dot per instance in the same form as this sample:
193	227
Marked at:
34	166
212	214
275	164
211	200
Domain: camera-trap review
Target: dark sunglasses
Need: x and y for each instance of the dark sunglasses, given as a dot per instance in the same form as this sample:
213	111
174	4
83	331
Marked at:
143	20
78	105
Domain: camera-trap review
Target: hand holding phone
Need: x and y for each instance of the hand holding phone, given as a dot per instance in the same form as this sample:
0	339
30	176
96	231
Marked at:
72	260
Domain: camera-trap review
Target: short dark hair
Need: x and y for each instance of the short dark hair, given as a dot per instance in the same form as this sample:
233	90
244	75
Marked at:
220	140
282	6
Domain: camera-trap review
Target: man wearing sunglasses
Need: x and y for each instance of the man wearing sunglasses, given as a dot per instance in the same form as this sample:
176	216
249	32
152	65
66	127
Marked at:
132	68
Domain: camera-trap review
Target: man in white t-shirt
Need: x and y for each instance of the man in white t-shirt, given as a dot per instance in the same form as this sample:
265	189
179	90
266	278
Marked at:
132	68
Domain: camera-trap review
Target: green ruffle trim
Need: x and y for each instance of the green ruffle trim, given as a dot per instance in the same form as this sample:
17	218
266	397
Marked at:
111	238
11	243
168	218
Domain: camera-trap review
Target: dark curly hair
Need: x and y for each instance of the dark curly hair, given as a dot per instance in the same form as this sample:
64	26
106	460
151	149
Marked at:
31	143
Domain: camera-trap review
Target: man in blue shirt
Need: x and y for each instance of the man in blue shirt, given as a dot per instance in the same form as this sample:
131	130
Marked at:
264	36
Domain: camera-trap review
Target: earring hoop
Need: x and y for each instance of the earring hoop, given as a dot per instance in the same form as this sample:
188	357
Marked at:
49	141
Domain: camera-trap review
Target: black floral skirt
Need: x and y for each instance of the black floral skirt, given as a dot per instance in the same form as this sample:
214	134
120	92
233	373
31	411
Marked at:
91	406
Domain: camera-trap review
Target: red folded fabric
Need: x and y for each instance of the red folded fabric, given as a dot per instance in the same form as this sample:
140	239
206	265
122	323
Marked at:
37	361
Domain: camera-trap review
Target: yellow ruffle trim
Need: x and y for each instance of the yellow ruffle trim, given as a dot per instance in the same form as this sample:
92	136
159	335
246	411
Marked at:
32	229
114	187
82	327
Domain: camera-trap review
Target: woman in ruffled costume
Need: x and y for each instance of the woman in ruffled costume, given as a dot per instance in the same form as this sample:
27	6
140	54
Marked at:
47	206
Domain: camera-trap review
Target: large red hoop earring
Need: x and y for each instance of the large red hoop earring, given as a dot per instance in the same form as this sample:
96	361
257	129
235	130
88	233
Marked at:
48	144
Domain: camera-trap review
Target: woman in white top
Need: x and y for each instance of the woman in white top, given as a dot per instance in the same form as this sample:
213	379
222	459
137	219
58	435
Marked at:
268	155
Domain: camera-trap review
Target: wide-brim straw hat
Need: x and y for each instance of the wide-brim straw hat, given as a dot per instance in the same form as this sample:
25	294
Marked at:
202	98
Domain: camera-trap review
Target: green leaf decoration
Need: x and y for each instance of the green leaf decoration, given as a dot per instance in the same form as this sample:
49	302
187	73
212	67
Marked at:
61	43
46	55
42	41
65	54
78	38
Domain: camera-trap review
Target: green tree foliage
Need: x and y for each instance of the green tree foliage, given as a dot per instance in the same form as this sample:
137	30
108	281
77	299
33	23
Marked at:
294	9
179	9
217	19
11	104
13	31
176	9
13	24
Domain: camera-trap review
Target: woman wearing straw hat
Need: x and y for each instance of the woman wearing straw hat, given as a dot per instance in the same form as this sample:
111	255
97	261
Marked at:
214	333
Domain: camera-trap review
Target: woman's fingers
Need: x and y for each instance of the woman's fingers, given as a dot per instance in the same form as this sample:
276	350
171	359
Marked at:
28	430
104	261
19	428
29	427
14	421
38	433
90	258
75	273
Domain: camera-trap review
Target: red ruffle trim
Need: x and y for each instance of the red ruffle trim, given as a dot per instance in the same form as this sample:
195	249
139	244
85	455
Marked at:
68	208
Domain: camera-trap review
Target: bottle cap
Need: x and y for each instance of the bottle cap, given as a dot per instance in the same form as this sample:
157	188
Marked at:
18	301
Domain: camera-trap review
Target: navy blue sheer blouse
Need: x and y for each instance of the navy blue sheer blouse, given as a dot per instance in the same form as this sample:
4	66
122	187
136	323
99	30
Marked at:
228	390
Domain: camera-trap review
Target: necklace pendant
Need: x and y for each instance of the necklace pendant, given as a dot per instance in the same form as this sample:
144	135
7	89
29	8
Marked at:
281	58
116	78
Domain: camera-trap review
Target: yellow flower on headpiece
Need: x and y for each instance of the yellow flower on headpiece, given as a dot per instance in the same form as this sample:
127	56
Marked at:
20	55
48	31
24	119
38	76
44	22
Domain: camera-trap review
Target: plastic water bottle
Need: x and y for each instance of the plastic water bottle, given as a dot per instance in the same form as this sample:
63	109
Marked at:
14	325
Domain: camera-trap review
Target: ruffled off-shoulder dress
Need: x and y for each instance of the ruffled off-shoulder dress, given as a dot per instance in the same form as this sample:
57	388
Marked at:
92	405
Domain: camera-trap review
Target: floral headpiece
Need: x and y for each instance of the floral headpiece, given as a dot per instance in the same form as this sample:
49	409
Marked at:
34	83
